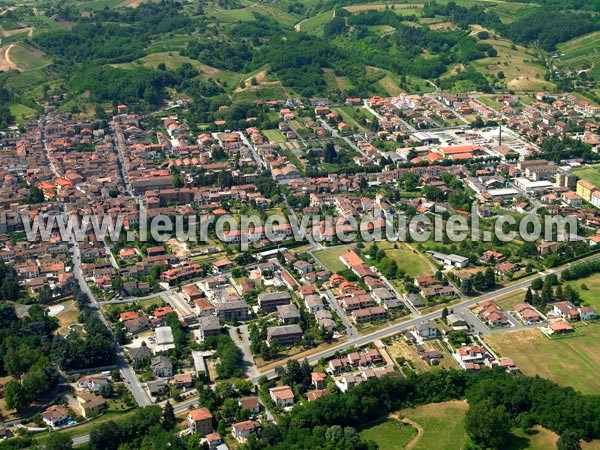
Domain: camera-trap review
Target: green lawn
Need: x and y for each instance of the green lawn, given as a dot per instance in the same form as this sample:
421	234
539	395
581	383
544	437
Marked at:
389	435
573	361
443	425
274	135
591	174
409	260
330	258
591	295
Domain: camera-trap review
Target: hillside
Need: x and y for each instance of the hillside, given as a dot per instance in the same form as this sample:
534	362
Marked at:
245	50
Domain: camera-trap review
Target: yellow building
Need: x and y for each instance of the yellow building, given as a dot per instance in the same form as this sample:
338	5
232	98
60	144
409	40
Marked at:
585	189
90	405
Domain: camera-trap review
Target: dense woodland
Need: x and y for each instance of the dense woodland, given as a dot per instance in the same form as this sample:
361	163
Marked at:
6	117
30	348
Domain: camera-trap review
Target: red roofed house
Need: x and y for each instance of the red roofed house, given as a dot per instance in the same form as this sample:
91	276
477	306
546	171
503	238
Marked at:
200	421
282	395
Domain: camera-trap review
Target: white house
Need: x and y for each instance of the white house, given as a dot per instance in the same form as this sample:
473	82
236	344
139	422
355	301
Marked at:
282	395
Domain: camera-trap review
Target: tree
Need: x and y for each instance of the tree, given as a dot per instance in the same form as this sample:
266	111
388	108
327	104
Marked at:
466	286
15	396
537	284
103	436
168	417
490	278
529	296
330	154
58	441
35	383
35	196
488	425
569	440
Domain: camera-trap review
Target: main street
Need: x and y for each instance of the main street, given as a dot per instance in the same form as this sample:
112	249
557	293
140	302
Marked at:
128	374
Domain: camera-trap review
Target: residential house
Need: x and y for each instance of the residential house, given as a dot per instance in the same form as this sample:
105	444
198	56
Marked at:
90	405
183	380
208	326
282	395
250	404
427	330
566	310
527	313
230	311
140	356
271	300
56	416
242	430
318	379
161	366
284	334
288	314
587	312
200	421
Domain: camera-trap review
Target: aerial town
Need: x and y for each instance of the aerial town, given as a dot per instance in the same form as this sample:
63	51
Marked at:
234	339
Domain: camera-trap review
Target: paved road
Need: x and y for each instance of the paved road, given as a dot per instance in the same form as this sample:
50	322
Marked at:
405	325
335	133
242	340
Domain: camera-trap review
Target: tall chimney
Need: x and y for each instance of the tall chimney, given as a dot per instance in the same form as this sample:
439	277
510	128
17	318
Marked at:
500	136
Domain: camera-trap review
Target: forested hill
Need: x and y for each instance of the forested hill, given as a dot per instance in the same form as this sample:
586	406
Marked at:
232	51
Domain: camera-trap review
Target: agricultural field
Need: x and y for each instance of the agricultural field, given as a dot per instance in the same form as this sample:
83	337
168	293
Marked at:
589	173
314	25
26	58
443	425
581	54
521	71
391	434
247	14
571	361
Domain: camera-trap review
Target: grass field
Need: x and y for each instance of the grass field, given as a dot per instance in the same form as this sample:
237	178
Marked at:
330	258
274	135
389	435
582	53
251	94
314	25
443	425
571	362
247	14
591	295
26	58
591	174
409	260
22	113
537	438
